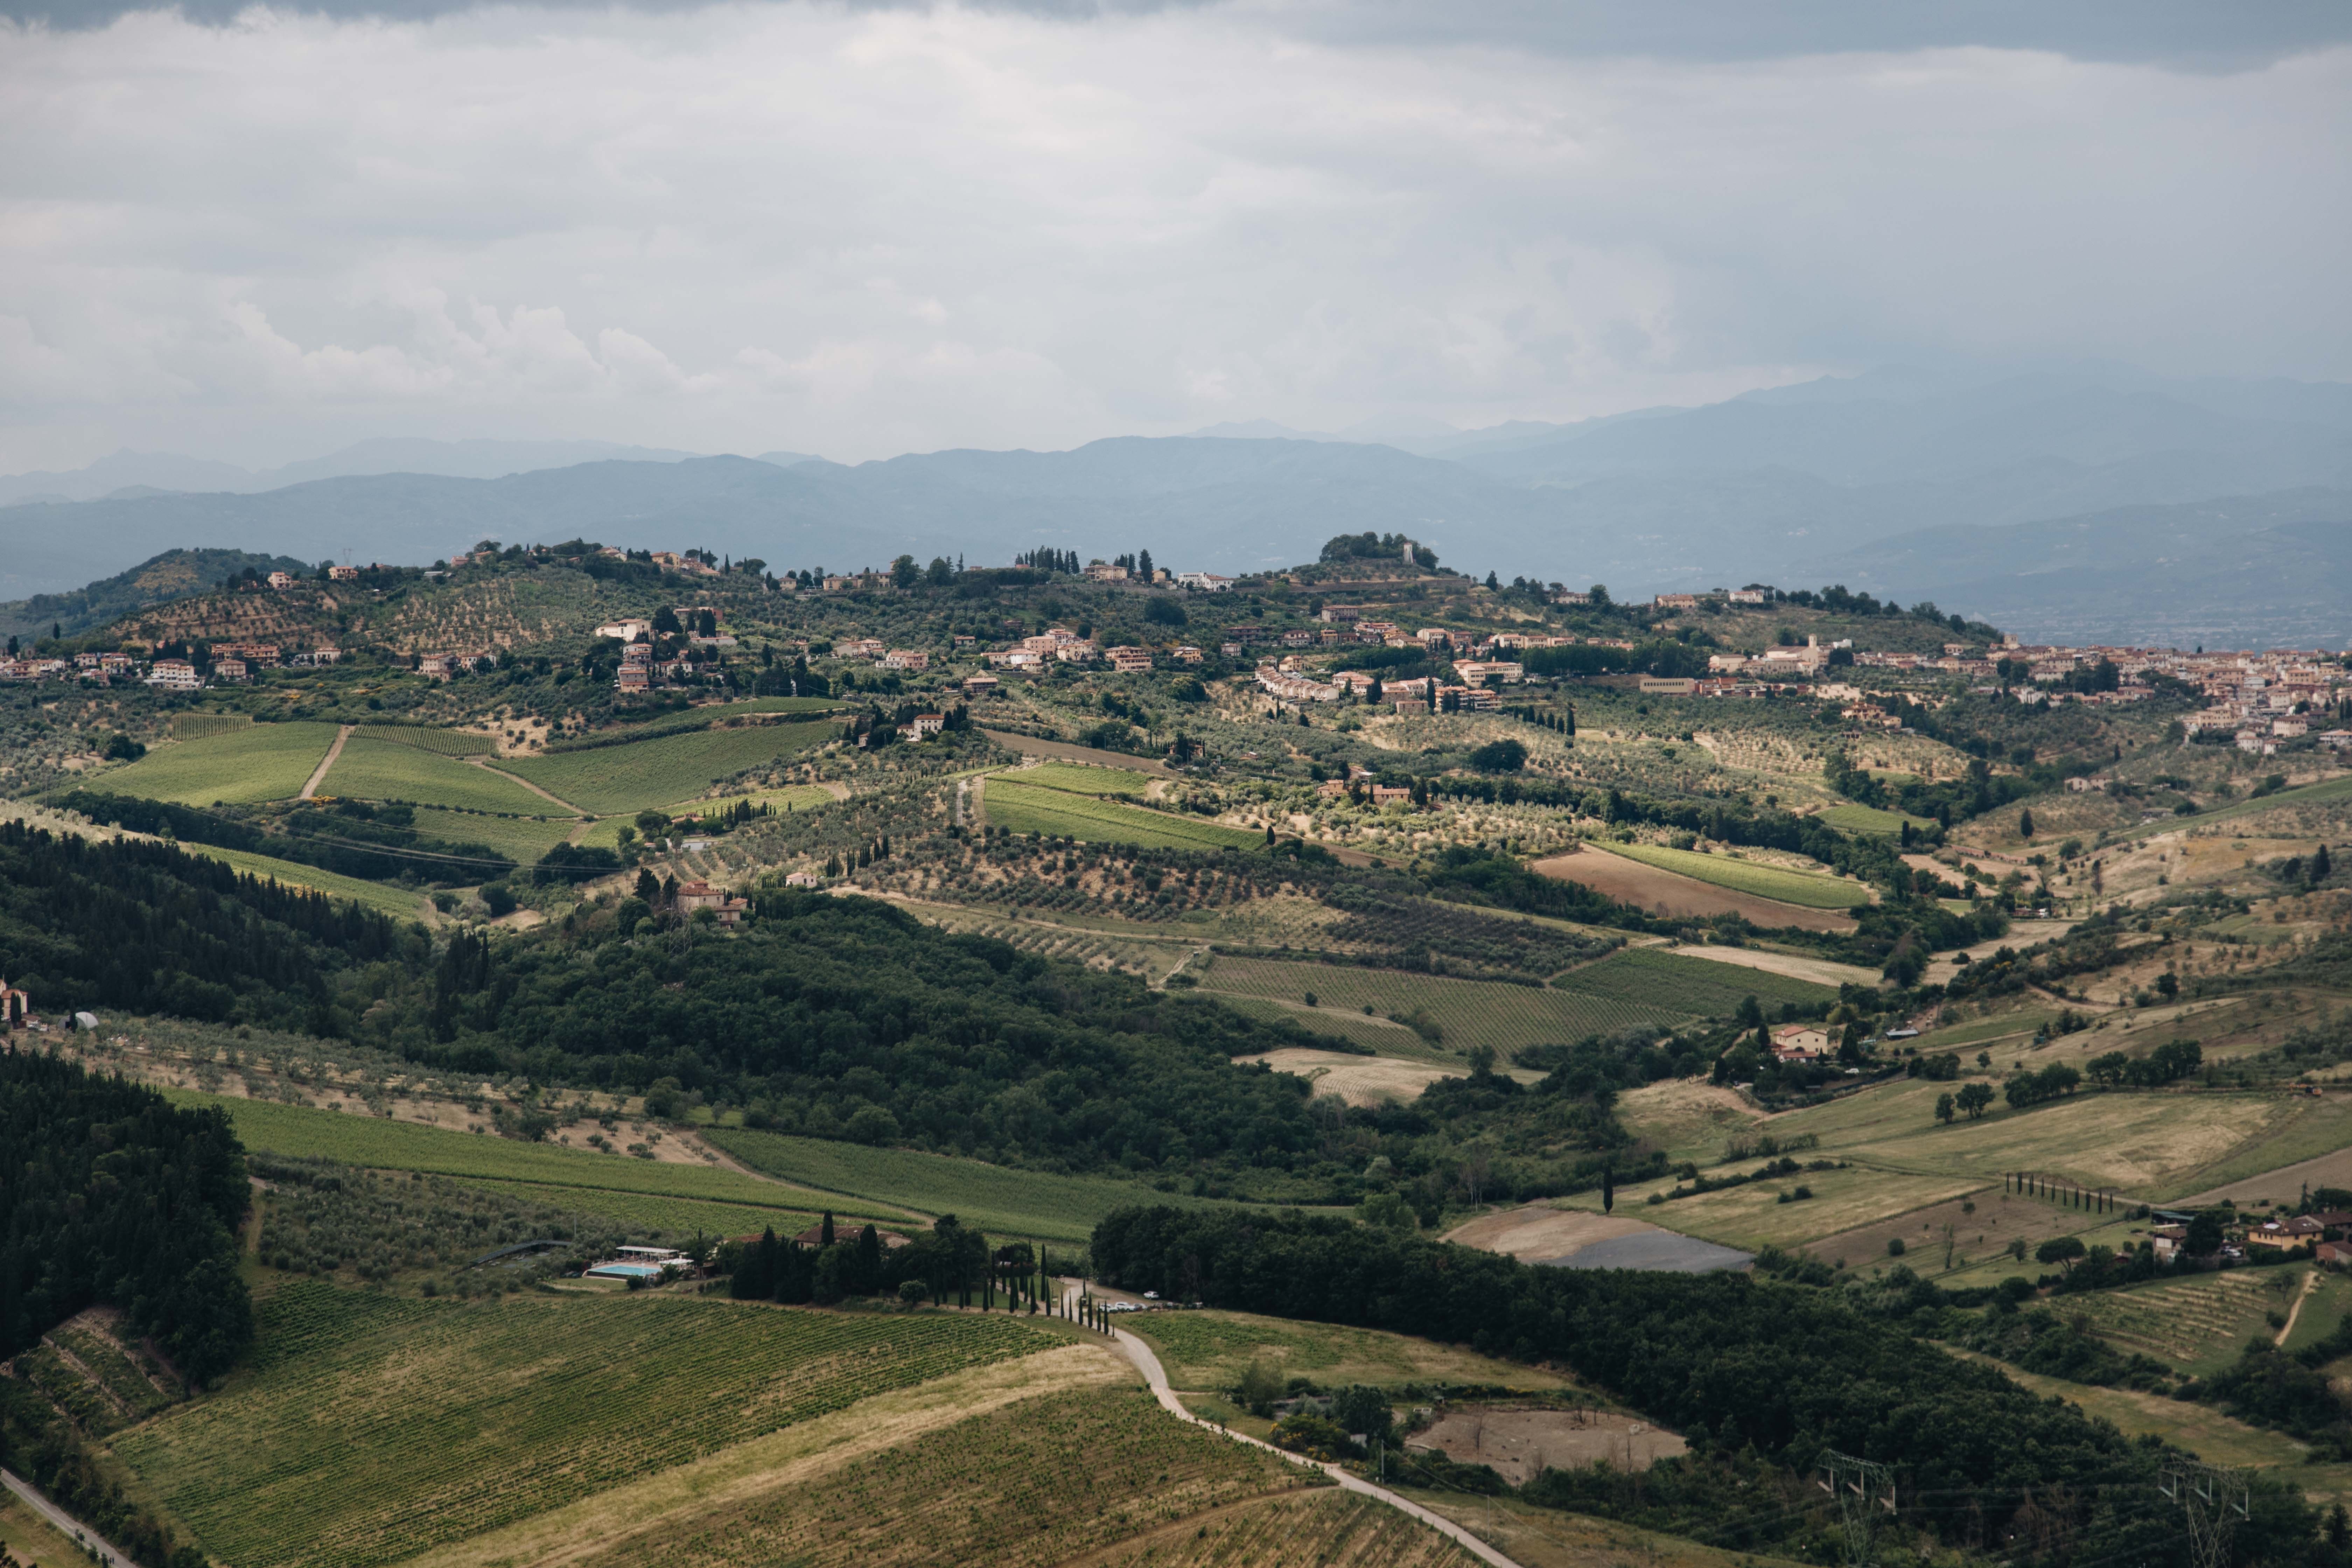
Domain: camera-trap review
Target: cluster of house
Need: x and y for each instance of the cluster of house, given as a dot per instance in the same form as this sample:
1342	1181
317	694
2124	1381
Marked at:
228	661
2324	1231
1060	644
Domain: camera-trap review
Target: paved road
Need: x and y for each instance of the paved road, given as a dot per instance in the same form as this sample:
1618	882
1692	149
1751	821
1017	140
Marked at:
1156	1377
72	1528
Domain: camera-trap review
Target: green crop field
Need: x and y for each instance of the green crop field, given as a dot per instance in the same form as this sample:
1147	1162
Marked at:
1211	1350
1466	1012
1853	817
1060	814
661	773
201	726
379	1143
372	1427
1753	1217
1372	1032
426	738
1647	977
995	1198
1077	778
393	901
1065	1478
649	1212
522	838
1799	888
387	770
249	763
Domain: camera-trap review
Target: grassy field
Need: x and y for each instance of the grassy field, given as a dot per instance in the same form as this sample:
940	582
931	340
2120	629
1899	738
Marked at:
388	770
1065	1477
251	763
1060	814
1210	1351
1374	1034
1690	1120
1077	778
1752	1216
1856	818
379	1143
424	738
1799	888
1466	1012
376	896
998	1200
1644	976
370	1427
522	838
659	772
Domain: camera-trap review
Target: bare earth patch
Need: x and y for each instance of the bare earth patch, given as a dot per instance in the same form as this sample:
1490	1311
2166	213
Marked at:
1540	1235
1997	1219
1358	1080
2282	1185
1820	971
1520	1445
1652	890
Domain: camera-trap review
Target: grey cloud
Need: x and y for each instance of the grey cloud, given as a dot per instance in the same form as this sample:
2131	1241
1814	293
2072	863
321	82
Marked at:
2191	35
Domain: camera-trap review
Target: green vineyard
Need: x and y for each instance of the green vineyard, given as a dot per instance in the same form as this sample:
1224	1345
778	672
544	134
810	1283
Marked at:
663	772
241	765
390	769
1077	778
1466	1012
1800	888
1044	1480
424	738
380	1428
1062	814
1645	976
2197	1325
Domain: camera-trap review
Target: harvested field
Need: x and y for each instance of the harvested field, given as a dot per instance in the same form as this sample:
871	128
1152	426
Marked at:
1293	1529
2333	1169
1820	971
1538	1537
1358	1080
1651	889
1540	1233
1210	1350
1520	1445
1982	1222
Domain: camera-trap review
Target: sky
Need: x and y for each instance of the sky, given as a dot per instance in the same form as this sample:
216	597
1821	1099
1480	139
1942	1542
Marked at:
255	235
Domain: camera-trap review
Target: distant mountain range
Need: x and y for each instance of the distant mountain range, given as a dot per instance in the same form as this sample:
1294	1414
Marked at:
2053	501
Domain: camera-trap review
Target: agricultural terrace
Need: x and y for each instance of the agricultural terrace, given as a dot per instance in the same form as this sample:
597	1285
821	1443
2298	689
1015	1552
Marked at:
1049	1479
372	1427
1078	778
1465	1013
376	1143
389	770
2197	1325
1059	813
247	763
1211	1350
429	738
396	902
994	1198
657	773
1774	882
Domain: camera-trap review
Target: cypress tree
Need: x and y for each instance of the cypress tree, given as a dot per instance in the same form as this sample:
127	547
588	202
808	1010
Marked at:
825	1230
868	1275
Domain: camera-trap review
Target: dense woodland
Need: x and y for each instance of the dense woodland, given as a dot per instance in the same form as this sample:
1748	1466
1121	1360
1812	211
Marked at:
111	1194
1761	1376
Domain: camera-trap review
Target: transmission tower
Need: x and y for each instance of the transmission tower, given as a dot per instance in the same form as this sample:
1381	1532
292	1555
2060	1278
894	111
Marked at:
1862	1489
2214	1500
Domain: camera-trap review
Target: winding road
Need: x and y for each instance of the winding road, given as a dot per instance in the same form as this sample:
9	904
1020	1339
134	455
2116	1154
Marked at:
1156	1376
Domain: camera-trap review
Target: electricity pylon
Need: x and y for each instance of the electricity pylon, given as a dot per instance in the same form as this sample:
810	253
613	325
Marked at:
2214	1500
1862	1489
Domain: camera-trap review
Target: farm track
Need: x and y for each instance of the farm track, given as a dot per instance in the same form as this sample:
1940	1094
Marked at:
1156	1376
311	790
516	778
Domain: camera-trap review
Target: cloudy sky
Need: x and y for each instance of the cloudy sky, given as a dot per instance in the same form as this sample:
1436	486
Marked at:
865	229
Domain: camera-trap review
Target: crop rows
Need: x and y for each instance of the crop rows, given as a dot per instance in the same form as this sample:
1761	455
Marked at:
995	1198
662	772
428	737
1466	1012
2186	1322
75	1394
1301	1530
1701	985
387	770
1062	814
201	726
113	1366
1044	1481
1078	779
648	1214
249	763
452	1420
522	838
1798	887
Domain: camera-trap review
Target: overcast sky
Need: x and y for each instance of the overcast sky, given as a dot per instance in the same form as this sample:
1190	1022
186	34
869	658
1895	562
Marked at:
860	230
